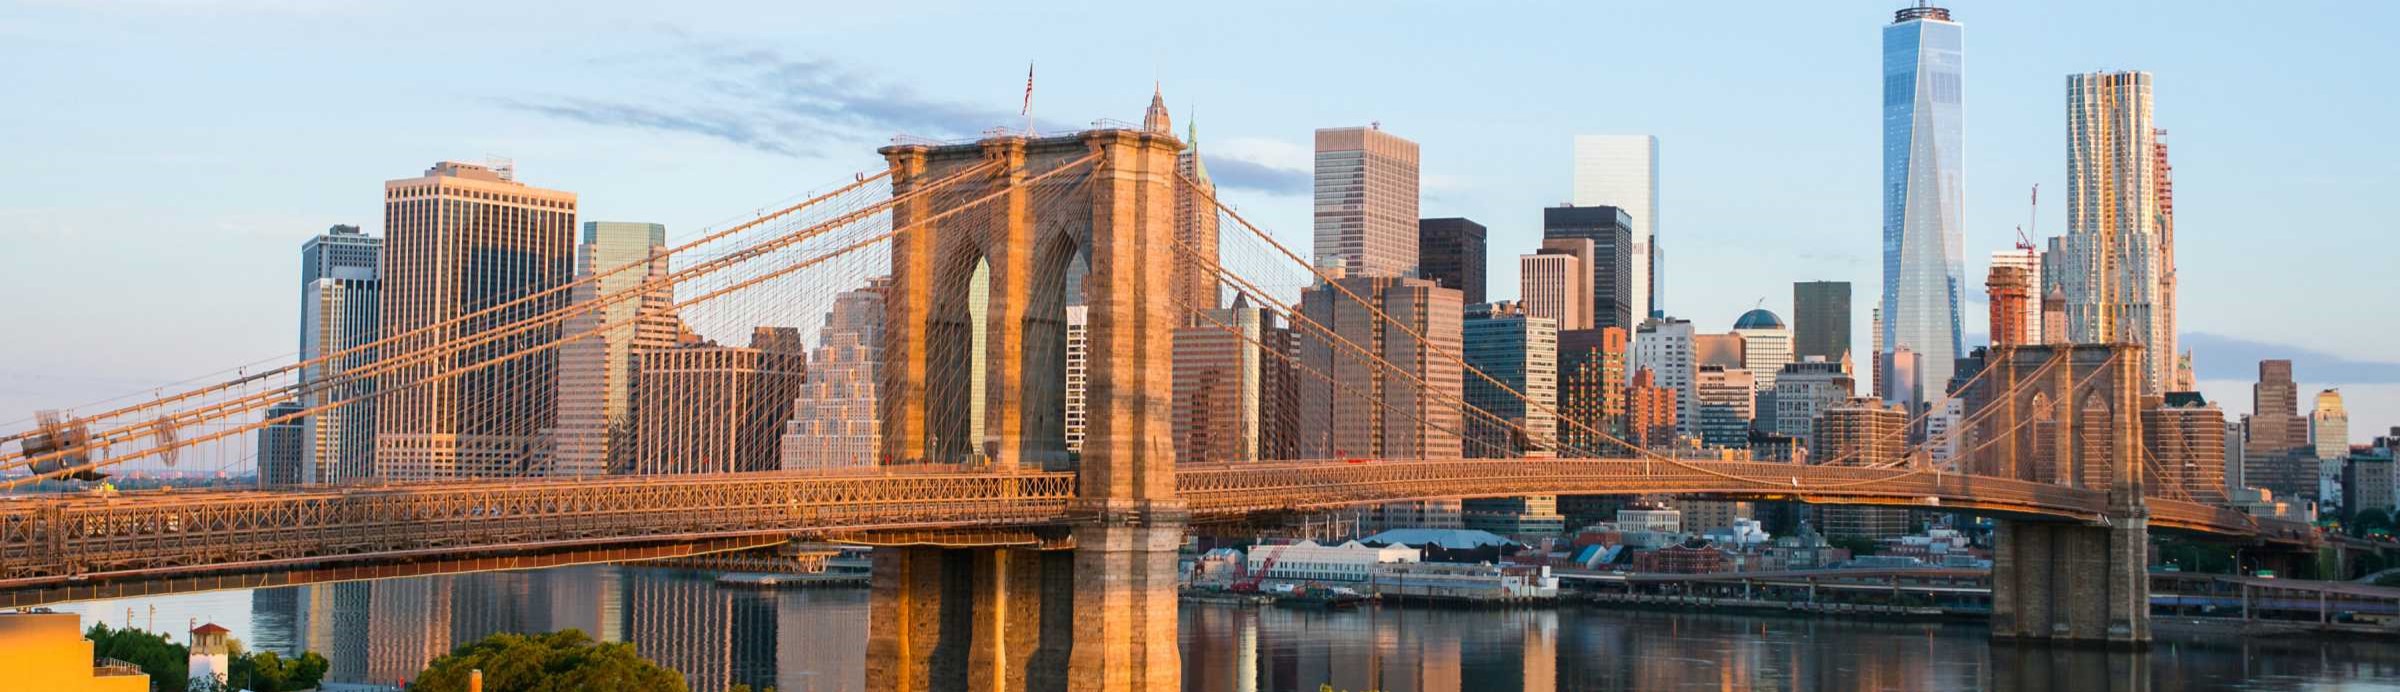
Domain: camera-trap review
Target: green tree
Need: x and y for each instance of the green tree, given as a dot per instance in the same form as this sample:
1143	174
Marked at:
561	661
2367	521
1857	545
166	662
2196	556
265	671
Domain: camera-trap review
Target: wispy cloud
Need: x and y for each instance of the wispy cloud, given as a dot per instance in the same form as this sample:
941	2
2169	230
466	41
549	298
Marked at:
729	127
1261	164
2221	357
766	101
763	100
1235	173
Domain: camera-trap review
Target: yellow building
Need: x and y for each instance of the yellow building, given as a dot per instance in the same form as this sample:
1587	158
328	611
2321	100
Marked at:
47	651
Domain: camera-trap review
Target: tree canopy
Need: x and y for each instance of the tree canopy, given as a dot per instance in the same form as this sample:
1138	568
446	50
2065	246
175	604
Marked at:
169	664
166	662
266	672
561	661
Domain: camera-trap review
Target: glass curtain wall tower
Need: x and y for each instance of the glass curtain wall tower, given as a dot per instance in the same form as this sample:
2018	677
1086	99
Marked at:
1924	180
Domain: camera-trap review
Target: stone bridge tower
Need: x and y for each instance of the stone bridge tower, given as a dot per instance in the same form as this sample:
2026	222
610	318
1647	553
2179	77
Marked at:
2071	416
959	615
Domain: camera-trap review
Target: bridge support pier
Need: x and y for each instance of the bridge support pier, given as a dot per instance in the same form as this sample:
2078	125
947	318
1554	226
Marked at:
998	620
1125	607
1101	618
2072	583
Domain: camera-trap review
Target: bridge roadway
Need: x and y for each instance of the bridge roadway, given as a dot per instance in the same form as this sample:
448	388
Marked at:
53	540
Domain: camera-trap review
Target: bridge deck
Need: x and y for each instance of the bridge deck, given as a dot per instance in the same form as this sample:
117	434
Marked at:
53	539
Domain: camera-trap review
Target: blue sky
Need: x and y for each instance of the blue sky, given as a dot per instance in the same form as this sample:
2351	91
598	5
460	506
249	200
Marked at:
165	158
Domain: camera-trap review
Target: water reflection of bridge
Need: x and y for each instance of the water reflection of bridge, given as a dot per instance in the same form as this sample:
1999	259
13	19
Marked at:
385	632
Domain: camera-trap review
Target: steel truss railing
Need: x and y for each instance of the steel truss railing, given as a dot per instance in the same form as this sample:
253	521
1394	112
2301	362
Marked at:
151	534
142	534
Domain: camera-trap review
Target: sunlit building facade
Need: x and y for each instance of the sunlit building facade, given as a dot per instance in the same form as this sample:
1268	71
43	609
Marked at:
595	372
1366	201
2112	265
1364	407
704	408
458	240
834	422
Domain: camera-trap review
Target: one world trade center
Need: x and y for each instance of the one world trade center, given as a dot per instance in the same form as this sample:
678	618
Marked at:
1924	180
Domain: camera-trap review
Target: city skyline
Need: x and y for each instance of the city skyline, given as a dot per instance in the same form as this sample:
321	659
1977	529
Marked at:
2015	136
1064	370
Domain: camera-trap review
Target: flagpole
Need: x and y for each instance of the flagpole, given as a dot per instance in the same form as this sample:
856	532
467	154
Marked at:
1027	110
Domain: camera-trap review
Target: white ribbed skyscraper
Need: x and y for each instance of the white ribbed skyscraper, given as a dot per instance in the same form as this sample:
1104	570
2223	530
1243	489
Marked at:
2112	265
1924	181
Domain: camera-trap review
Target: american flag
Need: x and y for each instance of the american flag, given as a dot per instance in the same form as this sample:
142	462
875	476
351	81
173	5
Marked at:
1027	110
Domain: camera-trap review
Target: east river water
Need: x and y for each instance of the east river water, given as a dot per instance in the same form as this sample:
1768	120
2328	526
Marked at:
799	640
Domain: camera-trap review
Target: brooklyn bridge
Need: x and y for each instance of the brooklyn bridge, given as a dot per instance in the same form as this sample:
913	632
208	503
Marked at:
1008	557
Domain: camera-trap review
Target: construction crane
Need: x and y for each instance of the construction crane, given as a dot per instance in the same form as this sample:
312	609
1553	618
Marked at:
1249	582
2032	220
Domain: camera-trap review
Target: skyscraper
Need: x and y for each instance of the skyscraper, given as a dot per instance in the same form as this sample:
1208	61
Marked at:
1805	389
2276	451
1664	347
1861	432
1611	231
2027	260
1520	351
1591	390
2111	265
705	408
1821	320
595	372
460	239
834	422
1924	181
1651	416
2329	426
1766	346
280	447
1234	396
1366	201
340	301
1552	285
2177	370
2185	435
1450	252
1622	171
2329	437
1727	399
1368	409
